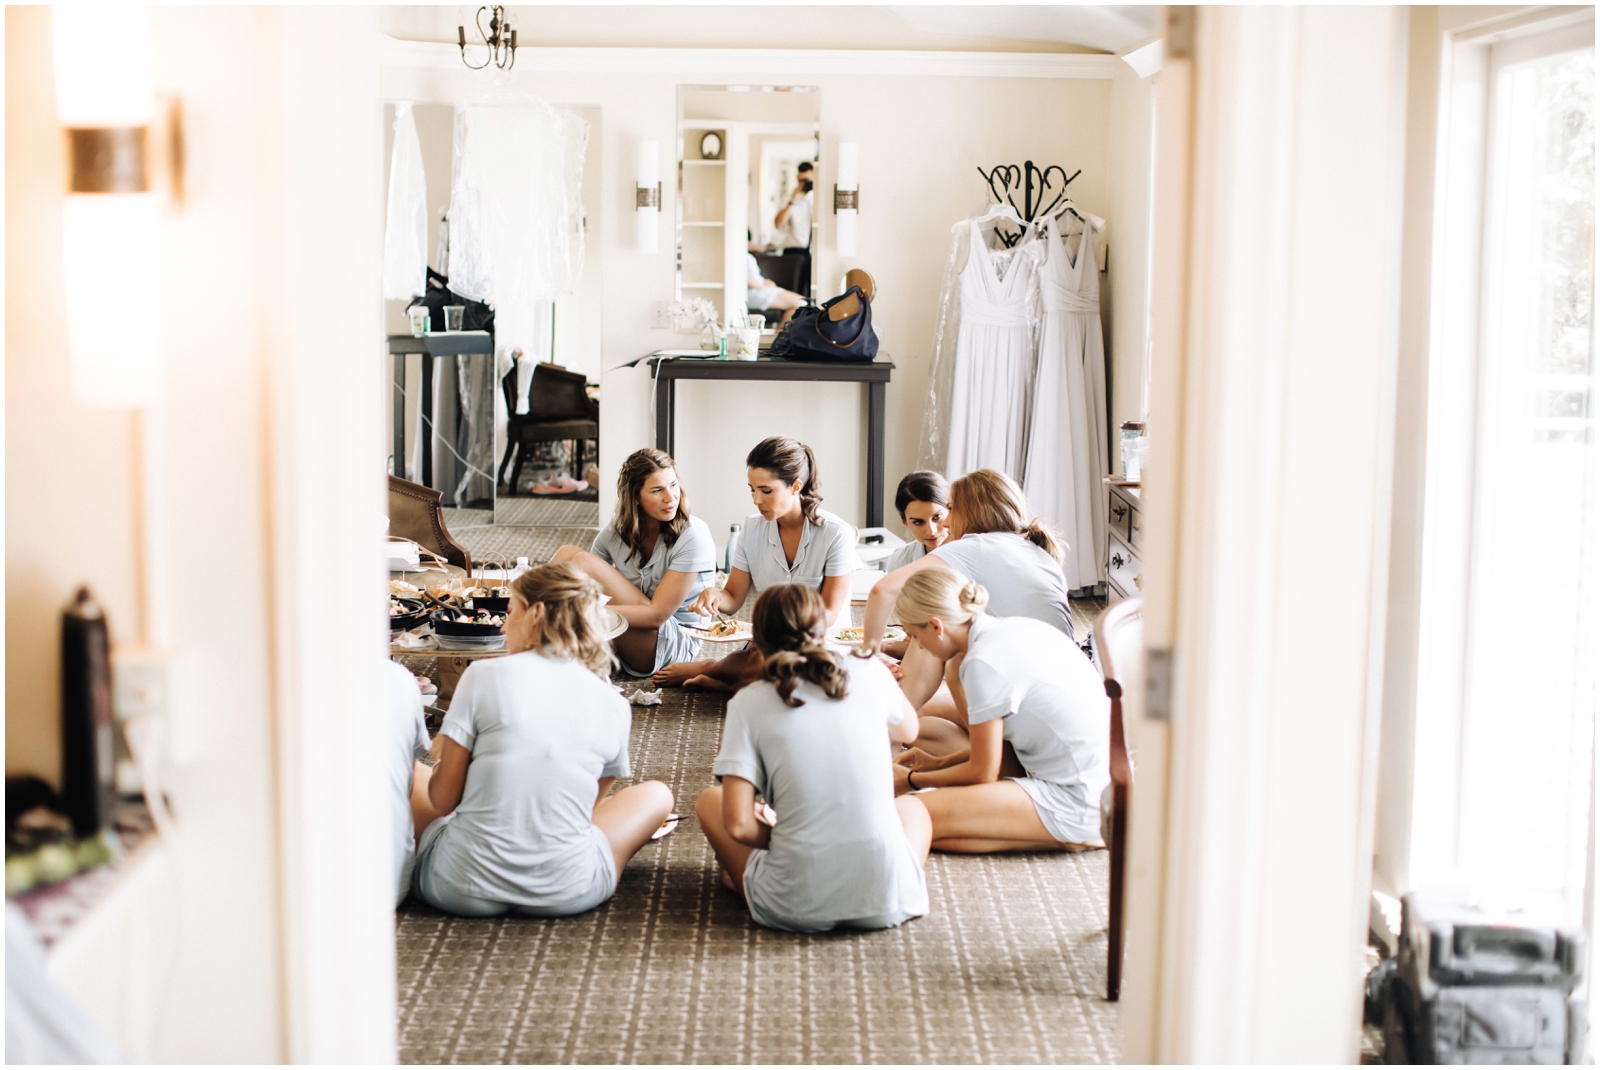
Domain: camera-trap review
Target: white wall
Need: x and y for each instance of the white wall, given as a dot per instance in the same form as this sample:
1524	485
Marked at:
1133	101
268	272
922	138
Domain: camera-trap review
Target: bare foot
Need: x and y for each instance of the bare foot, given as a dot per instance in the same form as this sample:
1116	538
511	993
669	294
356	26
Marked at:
679	673
709	683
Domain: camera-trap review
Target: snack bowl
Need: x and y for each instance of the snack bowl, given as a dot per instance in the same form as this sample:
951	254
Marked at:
449	623
415	613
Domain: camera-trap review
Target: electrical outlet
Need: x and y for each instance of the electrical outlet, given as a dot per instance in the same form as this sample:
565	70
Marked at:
659	320
160	684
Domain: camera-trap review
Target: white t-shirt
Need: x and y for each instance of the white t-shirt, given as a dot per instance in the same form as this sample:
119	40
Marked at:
1057	715
828	549
1022	580
838	851
797	224
693	552
543	733
408	741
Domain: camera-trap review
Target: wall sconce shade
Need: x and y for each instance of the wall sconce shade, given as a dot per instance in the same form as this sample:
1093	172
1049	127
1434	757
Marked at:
846	198
110	221
647	196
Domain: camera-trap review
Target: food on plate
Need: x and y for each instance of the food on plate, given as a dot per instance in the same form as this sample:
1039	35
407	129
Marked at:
855	635
402	587
724	627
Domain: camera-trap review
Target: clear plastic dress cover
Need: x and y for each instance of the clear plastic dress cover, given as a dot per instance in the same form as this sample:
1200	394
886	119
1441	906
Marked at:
934	450
516	205
405	239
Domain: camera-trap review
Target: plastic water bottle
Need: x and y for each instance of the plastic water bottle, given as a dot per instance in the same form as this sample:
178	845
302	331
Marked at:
734	531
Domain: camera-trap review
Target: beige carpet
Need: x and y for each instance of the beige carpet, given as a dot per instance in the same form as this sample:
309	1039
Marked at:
1008	967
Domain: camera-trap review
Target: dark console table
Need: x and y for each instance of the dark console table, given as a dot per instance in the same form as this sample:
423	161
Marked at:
433	344
668	369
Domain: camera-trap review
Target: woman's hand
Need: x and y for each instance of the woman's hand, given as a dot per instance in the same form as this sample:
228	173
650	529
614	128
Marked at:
707	604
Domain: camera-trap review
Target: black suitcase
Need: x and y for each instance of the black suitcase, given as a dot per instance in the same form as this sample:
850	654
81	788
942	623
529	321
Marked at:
1472	986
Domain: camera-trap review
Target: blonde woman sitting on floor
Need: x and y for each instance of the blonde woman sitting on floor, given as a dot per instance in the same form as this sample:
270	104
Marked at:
529	752
1022	764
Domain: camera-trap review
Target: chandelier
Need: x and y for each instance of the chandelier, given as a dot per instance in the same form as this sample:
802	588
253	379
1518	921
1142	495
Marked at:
500	39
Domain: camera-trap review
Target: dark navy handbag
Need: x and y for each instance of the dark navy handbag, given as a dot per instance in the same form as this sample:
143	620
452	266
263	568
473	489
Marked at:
840	330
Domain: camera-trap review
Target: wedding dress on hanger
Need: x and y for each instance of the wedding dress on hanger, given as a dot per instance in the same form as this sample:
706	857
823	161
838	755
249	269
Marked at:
993	360
1066	452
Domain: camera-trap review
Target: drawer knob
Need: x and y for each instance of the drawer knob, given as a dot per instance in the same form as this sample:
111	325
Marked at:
1117	561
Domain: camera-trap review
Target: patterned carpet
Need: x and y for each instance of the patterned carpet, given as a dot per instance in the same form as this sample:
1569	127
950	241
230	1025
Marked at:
1008	967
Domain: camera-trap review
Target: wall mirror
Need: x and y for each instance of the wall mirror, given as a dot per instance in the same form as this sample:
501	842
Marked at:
748	195
456	418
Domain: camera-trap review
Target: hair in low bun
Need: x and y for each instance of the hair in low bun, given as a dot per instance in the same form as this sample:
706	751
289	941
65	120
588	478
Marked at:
572	626
788	624
940	592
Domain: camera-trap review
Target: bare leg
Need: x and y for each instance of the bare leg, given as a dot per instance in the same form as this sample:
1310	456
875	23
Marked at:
729	674
938	737
918	825
629	816
422	812
636	646
920	674
986	818
787	300
731	854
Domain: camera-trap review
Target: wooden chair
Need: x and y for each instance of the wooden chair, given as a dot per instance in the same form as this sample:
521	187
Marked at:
1119	639
415	513
559	410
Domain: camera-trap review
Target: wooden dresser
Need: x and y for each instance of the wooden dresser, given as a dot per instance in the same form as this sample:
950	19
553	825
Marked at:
1122	549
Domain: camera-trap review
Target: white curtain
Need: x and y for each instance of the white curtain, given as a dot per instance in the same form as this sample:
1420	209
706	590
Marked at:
405	241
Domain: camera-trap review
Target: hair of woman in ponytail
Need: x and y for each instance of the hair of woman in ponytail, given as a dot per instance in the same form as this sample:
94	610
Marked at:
789	623
572	626
991	501
793	462
939	592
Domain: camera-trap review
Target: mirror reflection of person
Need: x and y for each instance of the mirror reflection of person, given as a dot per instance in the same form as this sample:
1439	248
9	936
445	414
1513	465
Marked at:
794	218
765	294
793	222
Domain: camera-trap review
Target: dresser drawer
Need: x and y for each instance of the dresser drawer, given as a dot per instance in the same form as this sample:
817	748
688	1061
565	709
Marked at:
1124	569
1117	512
1135	527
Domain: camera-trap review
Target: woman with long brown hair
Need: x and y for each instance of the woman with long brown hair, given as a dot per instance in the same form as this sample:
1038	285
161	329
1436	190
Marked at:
529	752
992	543
653	559
789	539
1022	764
813	736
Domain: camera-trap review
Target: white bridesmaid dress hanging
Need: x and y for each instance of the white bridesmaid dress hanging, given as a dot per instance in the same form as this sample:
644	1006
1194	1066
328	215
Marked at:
1066	450
993	359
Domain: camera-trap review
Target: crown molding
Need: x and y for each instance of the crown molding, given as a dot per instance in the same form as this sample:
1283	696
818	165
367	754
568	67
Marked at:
761	65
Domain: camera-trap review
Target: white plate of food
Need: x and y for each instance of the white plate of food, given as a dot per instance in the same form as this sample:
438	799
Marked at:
852	636
722	630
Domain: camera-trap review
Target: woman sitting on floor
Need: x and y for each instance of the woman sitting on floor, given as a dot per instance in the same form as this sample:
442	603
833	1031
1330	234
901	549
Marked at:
653	560
810	737
1017	560
790	540
1023	764
530	749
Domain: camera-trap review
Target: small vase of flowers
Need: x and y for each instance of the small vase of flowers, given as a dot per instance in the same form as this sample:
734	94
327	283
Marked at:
696	314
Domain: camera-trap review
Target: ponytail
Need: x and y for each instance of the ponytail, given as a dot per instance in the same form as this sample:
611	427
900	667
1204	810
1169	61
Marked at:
793	462
572	625
991	501
788	624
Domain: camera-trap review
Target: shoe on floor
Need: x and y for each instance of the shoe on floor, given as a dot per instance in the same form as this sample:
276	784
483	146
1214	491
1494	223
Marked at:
561	484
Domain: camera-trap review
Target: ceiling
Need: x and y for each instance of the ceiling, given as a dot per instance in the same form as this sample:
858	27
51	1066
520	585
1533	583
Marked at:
1109	28
1052	28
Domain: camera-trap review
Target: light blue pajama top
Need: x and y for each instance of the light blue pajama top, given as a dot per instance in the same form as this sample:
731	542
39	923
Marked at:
838	853
1022	580
1057	717
408	741
826	549
693	552
543	733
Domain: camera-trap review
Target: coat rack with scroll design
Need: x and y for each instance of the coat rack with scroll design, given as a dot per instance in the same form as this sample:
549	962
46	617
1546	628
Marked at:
1033	182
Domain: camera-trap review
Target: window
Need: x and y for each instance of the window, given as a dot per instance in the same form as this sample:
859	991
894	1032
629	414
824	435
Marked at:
1512	475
